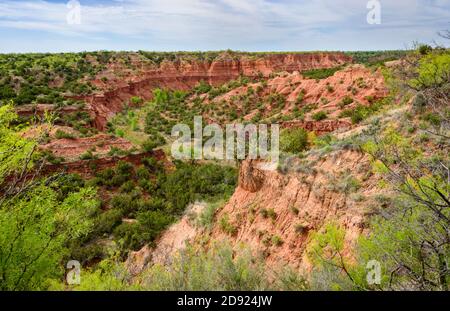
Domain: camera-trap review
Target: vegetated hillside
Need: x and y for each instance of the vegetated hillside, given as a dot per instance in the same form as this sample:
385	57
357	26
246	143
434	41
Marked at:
376	192
106	80
362	146
341	98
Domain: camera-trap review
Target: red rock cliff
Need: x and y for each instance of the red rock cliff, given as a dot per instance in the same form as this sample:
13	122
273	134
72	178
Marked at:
185	75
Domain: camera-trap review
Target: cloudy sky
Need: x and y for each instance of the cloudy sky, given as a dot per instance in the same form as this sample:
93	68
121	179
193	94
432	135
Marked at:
251	25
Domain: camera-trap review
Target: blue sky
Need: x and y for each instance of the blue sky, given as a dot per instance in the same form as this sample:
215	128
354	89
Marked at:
250	25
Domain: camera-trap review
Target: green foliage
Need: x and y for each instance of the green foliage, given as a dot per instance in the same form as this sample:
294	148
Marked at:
217	268
108	275
320	73
38	221
120	133
170	195
411	237
293	140
324	245
433	71
32	254
424	49
154	142
132	236
376	58
300	228
226	226
63	135
190	183
136	100
27	78
88	155
15	151
319	116
361	112
347	100
343	183
276	240
268	213
220	268
206	218
400	240
202	87
300	97
331	267
81	121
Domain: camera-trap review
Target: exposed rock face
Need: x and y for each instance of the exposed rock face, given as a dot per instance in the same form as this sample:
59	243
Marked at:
251	178
87	168
41	109
354	82
172	240
319	127
185	75
138	260
303	200
73	148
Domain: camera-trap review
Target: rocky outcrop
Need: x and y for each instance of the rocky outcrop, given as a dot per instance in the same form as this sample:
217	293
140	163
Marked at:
303	97
307	197
174	239
251	178
302	200
88	168
319	127
100	144
41	109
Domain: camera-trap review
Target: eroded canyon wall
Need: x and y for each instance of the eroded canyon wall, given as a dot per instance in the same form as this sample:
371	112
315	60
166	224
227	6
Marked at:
185	75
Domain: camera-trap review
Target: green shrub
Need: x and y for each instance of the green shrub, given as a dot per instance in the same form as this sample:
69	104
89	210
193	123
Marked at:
276	240
320	73
300	228
300	97
153	142
294	210
63	135
88	254
142	173
107	221
136	100
347	100
219	267
127	187
319	116
293	140
361	112
226	226
424	49
124	202
120	133
88	155
202	87
206	217
433	71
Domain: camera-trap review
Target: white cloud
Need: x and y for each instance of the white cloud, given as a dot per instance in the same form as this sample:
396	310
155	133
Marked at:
249	24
